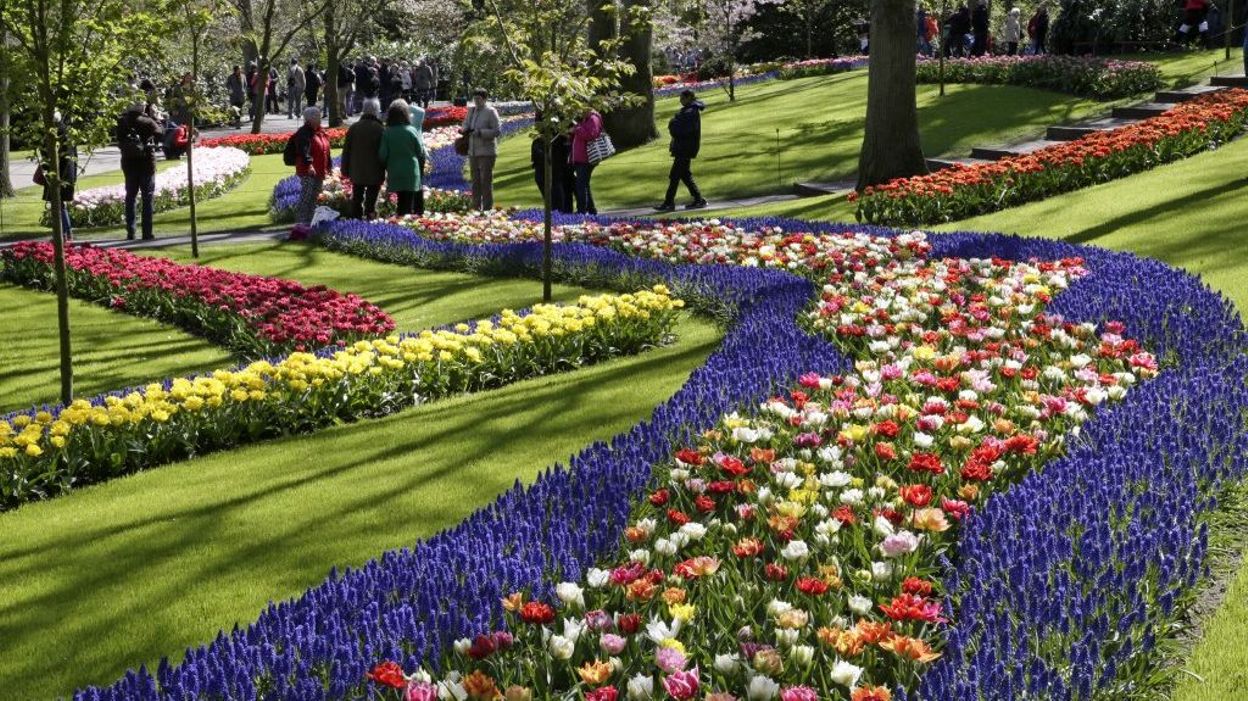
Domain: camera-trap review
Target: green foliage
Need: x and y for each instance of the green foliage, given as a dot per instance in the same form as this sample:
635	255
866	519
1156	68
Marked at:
74	51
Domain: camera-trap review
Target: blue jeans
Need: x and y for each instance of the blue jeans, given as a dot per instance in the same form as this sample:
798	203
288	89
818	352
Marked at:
139	181
584	193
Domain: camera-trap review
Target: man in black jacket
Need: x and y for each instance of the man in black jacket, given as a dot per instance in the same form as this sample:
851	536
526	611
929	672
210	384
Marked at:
137	136
686	131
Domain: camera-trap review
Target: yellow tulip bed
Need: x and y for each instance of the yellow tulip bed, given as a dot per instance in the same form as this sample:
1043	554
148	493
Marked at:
43	453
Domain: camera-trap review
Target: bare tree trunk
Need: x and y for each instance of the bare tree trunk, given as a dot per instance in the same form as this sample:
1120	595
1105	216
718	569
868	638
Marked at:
634	126
891	146
53	178
602	22
6	181
190	143
547	244
334	54
262	73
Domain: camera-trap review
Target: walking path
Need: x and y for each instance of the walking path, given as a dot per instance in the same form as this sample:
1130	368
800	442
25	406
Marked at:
107	158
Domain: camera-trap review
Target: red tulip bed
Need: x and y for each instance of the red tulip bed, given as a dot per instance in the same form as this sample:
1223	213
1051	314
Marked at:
261	144
254	315
963	191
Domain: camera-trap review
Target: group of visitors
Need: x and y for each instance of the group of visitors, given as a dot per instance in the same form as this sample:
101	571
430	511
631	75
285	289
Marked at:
572	165
367	78
967	32
392	153
374	153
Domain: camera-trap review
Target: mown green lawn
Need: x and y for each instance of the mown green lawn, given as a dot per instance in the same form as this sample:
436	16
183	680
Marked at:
782	132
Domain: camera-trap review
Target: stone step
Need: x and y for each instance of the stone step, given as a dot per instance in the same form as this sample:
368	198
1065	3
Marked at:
935	164
1175	96
995	153
1142	111
814	189
1070	132
1229	81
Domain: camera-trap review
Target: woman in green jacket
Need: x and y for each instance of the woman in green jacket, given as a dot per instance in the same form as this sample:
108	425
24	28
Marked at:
403	152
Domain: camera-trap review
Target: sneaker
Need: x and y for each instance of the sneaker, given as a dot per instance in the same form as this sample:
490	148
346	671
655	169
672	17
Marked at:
697	204
665	207
129	237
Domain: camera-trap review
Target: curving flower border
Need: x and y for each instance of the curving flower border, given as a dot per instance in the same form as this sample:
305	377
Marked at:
46	452
1179	434
963	191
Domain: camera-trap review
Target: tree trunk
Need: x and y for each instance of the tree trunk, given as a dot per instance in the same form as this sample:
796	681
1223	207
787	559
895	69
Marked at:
52	151
547	244
634	126
602	22
333	53
190	144
891	146
6	181
262	69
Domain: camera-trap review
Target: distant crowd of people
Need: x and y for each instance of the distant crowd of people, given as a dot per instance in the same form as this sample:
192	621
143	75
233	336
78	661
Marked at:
967	32
367	78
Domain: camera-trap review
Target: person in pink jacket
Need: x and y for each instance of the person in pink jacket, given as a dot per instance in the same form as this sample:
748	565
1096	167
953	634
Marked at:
585	131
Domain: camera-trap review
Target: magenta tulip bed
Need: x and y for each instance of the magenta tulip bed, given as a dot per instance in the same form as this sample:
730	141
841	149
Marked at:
956	466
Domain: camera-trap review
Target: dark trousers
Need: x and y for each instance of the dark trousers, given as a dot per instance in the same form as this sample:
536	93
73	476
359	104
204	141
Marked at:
139	181
1011	48
681	173
411	203
584	193
364	201
558	194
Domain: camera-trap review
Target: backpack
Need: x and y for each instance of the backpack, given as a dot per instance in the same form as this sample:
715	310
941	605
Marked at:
290	154
134	145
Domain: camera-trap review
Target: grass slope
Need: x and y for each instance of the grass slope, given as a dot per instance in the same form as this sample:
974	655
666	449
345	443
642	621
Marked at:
818	123
114	350
147	565
111	350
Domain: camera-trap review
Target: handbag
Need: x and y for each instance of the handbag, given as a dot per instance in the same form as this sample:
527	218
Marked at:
600	149
461	145
39	177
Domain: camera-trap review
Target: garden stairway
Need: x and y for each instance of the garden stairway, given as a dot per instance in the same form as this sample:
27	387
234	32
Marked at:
1162	102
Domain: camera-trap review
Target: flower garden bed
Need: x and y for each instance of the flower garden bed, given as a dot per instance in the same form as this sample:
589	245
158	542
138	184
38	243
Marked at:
962	191
1059	585
669	85
253	315
1087	76
217	171
46	452
261	144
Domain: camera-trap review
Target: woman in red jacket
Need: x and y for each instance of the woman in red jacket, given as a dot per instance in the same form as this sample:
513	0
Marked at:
312	163
1195	14
585	131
